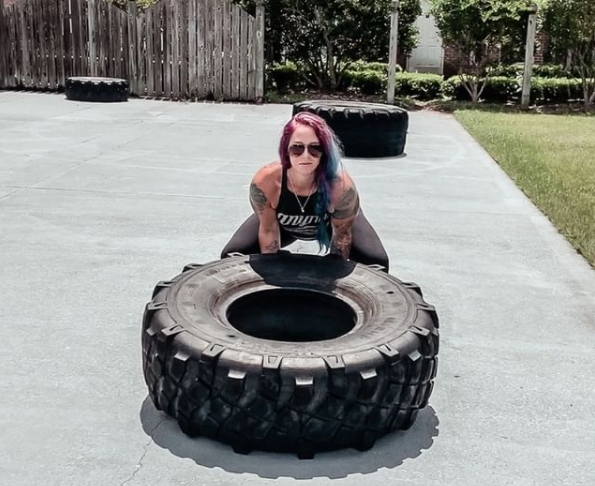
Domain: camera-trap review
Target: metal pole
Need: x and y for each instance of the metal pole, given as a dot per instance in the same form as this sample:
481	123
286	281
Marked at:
529	55
392	51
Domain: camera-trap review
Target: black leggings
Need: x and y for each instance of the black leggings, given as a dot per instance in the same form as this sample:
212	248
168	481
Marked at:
366	246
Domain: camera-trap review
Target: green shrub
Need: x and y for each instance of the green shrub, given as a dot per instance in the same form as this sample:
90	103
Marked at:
507	70
501	89
516	70
418	85
381	67
284	76
556	90
549	71
367	81
498	89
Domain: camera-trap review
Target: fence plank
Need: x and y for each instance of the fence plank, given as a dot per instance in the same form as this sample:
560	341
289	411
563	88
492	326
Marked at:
209	48
13	70
168	45
243	54
75	17
175	49
3	45
52	26
104	45
141	55
258	40
202	48
18	43
159	36
111	42
133	61
60	44
68	40
41	13
217	28
236	59
184	64
226	50
192	52
250	94
21	45
148	30
159	55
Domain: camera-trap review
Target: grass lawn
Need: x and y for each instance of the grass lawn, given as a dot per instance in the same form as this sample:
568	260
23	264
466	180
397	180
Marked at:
552	159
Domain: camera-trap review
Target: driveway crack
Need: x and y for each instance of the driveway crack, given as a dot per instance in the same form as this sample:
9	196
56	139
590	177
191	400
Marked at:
139	464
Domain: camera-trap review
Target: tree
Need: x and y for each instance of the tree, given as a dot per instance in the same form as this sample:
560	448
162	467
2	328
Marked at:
477	28
325	36
571	26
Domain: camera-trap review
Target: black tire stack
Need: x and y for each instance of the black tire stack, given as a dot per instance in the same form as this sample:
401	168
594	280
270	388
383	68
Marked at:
283	396
80	88
365	129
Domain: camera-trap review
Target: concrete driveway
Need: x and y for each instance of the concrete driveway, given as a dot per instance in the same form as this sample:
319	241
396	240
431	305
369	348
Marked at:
98	202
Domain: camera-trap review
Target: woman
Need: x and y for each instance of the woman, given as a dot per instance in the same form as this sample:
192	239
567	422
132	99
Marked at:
307	196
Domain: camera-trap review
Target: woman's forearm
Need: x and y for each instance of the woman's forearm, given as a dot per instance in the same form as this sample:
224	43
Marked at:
341	240
269	240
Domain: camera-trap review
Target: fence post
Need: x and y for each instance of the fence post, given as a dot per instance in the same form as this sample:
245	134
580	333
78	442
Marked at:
133	62
3	47
259	52
92	40
529	55
392	51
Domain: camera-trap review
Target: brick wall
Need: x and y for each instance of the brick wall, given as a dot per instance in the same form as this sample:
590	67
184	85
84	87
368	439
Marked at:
453	59
541	46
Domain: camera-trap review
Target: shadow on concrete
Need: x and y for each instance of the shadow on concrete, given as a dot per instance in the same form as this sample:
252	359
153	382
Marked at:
389	452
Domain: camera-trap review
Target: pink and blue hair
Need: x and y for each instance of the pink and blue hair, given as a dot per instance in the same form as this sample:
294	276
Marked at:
326	172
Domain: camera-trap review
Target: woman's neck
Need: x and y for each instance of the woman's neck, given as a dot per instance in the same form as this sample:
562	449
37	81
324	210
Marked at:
301	182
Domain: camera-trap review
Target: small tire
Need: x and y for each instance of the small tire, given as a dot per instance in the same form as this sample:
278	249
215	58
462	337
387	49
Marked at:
79	88
364	129
290	392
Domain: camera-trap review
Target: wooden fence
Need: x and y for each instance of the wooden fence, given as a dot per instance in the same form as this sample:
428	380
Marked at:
177	49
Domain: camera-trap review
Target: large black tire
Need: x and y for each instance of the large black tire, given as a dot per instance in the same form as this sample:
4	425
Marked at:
365	129
301	388
96	89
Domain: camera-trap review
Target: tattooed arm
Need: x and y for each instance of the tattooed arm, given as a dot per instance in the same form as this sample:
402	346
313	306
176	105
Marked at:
269	237
345	211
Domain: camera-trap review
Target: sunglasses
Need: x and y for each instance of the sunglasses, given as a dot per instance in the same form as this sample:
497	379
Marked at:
297	149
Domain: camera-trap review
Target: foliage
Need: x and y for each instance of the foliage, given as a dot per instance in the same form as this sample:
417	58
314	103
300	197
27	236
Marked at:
571	25
496	88
516	70
477	27
284	76
325	37
501	89
555	90
419	86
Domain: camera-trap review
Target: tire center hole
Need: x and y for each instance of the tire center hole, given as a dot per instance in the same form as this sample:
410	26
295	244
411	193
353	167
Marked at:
293	315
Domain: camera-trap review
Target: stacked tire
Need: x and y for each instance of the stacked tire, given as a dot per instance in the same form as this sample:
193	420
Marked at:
80	88
364	129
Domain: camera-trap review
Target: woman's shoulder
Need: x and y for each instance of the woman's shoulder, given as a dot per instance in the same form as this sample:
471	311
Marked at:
268	177
342	183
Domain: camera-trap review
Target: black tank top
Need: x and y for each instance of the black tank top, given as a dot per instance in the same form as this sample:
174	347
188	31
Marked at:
300	225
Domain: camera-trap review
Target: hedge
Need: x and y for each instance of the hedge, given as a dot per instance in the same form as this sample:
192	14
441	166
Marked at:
502	89
372	78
